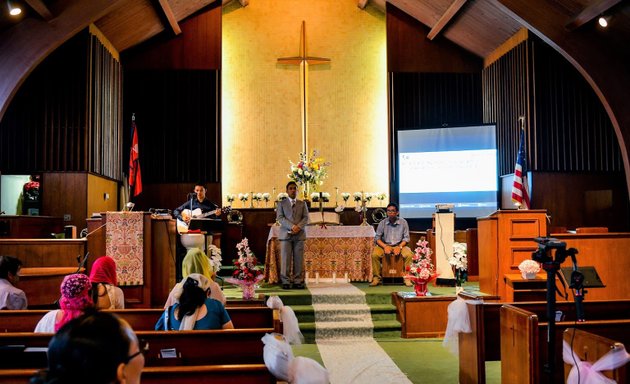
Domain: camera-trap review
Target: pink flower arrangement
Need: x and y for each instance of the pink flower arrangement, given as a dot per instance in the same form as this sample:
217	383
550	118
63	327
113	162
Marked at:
246	268
421	267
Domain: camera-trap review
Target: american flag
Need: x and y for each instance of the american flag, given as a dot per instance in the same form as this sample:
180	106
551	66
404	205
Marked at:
520	197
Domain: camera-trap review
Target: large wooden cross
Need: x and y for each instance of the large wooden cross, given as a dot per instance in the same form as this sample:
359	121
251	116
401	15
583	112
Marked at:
303	60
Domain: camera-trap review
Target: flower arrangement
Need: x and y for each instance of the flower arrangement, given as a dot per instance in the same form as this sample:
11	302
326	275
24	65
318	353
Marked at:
266	197
215	257
459	263
230	197
381	196
243	197
345	196
247	272
310	171
421	268
529	268
257	196
282	196
325	197
357	196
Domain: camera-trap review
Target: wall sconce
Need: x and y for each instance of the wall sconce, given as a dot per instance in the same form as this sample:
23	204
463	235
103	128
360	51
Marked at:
603	21
13	10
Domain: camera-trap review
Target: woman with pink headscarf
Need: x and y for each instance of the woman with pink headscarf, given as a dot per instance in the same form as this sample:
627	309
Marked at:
75	299
105	293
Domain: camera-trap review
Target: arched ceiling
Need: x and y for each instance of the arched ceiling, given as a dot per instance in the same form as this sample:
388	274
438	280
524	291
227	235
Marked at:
478	26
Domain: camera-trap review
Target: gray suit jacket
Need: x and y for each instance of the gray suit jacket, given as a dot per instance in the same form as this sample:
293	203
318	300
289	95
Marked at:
286	219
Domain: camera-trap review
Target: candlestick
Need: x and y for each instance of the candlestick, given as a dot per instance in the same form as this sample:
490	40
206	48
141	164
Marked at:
306	277
334	277
336	196
316	277
345	277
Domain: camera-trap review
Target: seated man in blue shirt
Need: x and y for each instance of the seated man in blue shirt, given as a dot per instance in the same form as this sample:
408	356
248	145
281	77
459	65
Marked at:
392	237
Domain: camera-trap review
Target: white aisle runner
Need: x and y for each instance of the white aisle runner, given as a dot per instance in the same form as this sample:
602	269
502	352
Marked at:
344	336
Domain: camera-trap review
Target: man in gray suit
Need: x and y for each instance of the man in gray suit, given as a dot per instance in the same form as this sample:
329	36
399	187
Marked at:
293	216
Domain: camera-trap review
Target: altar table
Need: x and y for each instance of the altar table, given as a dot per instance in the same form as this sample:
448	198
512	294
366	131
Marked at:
340	249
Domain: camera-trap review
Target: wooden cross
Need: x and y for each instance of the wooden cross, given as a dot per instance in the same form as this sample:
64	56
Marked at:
303	60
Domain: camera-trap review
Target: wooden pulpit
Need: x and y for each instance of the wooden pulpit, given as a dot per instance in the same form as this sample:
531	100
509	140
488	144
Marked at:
506	238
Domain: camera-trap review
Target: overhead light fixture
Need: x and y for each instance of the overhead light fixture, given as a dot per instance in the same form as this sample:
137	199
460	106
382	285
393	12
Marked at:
13	10
603	21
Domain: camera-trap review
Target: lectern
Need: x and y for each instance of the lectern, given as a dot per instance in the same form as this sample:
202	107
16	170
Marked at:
506	238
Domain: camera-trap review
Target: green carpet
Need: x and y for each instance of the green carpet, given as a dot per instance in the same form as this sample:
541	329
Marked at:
422	360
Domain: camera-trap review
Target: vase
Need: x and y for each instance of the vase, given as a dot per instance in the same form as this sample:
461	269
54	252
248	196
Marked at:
528	275
420	286
249	291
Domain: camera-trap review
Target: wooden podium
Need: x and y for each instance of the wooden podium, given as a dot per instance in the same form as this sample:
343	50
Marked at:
506	238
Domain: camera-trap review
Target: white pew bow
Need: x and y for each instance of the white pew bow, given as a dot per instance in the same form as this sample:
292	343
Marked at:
591	373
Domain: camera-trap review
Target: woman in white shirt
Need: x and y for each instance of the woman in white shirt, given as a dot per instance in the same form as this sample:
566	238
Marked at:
75	299
105	293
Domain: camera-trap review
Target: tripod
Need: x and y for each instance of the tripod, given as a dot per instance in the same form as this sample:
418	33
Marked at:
552	266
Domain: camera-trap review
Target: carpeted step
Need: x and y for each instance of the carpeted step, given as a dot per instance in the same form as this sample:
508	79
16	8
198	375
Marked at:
383	329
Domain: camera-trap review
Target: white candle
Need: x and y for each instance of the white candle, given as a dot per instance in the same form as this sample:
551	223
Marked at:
316	277
345	277
306	277
334	277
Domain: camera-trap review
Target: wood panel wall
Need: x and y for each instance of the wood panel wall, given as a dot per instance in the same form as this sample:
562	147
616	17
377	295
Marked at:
197	47
409	49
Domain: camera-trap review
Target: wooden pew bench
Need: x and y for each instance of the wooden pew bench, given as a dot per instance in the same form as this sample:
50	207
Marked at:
590	347
145	319
199	374
524	341
229	346
483	343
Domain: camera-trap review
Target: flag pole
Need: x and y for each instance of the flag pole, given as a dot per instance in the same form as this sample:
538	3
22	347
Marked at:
133	120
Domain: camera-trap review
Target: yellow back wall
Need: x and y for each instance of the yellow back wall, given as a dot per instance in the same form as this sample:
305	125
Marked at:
261	113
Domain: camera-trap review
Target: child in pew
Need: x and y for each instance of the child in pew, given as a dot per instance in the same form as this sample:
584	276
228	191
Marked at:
96	347
194	308
75	299
105	293
10	296
197	262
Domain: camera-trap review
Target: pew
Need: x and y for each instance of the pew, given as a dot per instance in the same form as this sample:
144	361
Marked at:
524	341
226	346
145	319
483	343
590	347
202	374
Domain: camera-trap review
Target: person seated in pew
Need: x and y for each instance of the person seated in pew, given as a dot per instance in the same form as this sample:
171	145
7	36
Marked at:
10	296
197	262
75	300
97	348
105	293
194	308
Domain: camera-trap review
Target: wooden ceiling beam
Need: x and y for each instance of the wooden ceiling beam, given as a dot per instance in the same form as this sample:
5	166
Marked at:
167	12
446	18
589	13
41	9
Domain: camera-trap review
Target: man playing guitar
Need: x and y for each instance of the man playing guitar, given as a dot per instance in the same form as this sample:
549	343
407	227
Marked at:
200	206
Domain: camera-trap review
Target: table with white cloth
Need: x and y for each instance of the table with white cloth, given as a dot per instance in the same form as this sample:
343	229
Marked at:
341	249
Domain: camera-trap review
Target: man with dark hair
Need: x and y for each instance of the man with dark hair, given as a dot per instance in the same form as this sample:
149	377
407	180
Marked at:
293	216
200	205
10	296
392	237
196	206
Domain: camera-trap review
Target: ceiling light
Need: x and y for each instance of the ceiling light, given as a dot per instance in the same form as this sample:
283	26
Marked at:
603	21
13	10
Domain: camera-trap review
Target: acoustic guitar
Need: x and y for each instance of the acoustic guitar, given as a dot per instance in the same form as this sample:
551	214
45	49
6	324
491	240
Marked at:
187	214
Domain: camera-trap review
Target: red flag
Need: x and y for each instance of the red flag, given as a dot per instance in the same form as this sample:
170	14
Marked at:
520	197
135	177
